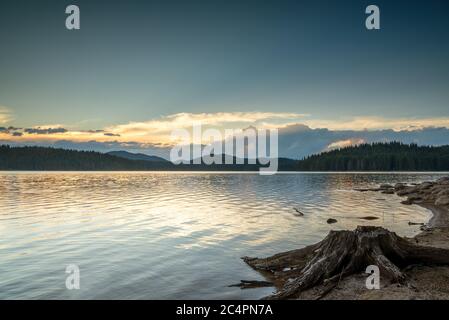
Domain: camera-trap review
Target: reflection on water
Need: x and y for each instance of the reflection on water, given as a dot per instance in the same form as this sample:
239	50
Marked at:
173	235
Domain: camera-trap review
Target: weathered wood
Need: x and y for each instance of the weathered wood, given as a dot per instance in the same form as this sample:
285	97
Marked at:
343	253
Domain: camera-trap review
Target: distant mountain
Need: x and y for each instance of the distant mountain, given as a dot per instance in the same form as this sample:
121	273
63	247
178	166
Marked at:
136	156
392	156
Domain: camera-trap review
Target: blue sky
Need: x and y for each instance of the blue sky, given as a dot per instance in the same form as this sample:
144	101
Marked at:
150	64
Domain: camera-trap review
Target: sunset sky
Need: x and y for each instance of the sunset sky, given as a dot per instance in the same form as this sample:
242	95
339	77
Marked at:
138	69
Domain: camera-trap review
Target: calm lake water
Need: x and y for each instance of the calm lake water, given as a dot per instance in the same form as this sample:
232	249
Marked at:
173	235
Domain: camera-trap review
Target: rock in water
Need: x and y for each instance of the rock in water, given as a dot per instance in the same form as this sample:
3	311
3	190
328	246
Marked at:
331	221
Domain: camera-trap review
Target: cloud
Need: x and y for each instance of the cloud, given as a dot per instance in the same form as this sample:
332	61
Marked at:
40	130
10	130
378	123
108	134
299	135
161	128
345	143
5	115
95	131
298	141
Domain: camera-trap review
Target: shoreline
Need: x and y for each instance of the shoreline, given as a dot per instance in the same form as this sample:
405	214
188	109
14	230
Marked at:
422	281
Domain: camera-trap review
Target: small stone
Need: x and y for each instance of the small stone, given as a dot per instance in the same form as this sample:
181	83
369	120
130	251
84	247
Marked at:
369	218
406	191
425	185
399	186
331	220
444	181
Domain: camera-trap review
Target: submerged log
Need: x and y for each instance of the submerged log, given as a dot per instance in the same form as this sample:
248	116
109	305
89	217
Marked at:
249	284
341	254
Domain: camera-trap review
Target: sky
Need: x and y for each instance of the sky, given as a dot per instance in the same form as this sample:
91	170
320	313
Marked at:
136	70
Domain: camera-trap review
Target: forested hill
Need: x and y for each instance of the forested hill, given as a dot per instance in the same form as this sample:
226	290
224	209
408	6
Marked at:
392	156
367	157
41	158
51	159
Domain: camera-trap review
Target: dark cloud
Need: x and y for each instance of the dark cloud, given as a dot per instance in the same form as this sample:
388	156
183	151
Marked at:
111	134
10	130
45	131
95	131
298	141
17	134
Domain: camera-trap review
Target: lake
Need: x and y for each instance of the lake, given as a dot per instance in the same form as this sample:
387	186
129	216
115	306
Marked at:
174	235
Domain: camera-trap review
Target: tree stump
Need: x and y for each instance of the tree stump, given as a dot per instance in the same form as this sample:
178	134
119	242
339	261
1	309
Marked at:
343	253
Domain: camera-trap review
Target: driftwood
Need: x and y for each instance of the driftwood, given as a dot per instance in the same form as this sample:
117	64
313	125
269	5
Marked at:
249	284
341	254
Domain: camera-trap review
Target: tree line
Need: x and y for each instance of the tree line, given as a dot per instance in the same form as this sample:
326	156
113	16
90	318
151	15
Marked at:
392	156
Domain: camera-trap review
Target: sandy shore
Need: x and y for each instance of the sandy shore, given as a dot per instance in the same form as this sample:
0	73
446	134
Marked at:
427	282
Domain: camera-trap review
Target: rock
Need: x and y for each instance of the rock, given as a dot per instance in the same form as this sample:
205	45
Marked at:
442	201
399	186
406	191
331	220
369	218
407	202
415	223
414	198
443	181
425	228
367	189
443	192
362	189
388	191
425	185
386	186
